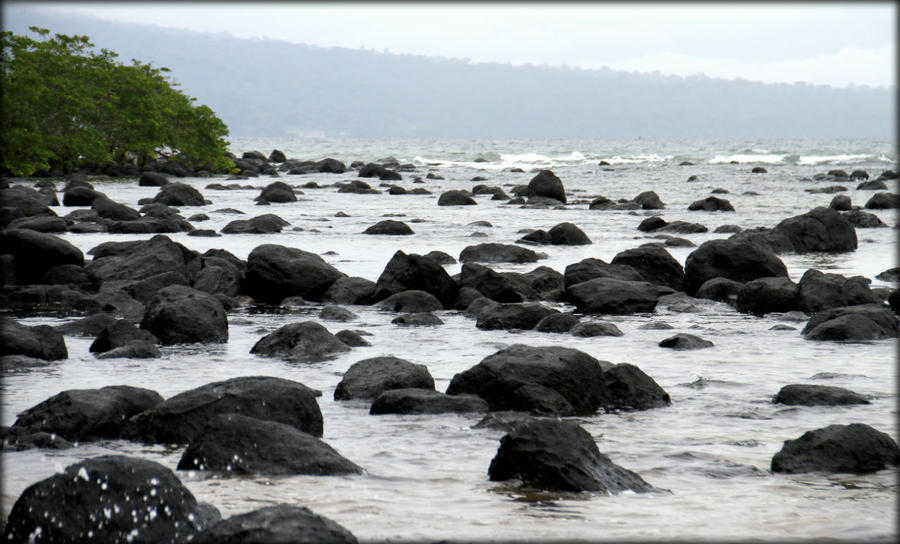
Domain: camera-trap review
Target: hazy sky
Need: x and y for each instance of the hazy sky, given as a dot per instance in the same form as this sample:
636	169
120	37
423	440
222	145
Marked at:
836	44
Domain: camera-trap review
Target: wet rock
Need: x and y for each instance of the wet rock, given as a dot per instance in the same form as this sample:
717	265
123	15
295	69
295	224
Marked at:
303	342
41	341
651	224
152	179
818	291
852	323
440	257
612	296
416	272
179	314
546	184
351	338
890	275
738	261
219	280
424	401
181	418
595	328
330	166
488	282
539	237
655	264
512	316
34	253
277	191
683	227
418	319
542	380
556	323
358	187
91	325
350	290
411	301
590	268
80	196
872	185
118	334
840	203
133	350
560	456
369	378
711	204
275	272
859	174
246	445
758	170
19	439
82	415
504	420
766	295
649	200
389	227
142	259
820	229
629	388
336	313
883	201
179	194
25	199
568	234
496	252
684	341
456	197
112	498
817	395
41	223
67	274
855	448
656	326
144	290
280	524
720	289
545	281
262	224
863	220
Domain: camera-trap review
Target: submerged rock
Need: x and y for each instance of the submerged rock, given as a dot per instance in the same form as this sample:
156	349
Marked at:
612	296
40	341
733	260
369	378
495	252
817	395
855	448
853	323
303	342
425	401
684	341
280	524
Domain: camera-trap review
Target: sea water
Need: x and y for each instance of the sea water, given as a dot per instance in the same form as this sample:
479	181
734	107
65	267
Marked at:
425	476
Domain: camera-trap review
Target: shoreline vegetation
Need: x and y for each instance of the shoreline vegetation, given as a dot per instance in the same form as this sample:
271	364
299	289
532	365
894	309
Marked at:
68	107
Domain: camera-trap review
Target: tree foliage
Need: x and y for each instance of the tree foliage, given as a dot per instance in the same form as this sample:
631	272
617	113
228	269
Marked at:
64	104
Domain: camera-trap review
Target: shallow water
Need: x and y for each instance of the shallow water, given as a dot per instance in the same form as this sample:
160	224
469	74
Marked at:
426	476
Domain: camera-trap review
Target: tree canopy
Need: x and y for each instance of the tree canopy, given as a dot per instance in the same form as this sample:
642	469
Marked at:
64	104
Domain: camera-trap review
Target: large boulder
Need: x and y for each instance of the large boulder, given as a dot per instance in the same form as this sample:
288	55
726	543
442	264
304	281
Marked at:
88	414
424	401
568	234
410	301
684	341
855	448
765	295
591	268
330	166
179	314
303	342
524	316
280	524
41	341
26	200
817	395
543	280
546	184
246	445
649	200
179	194
711	204
493	252
267	223
655	264
389	227
275	272
560	456
277	191
489	283
141	259
612	296
456	197
630	388
819	291
733	260
350	290
820	229
80	195
34	253
883	201
853	323
369	378
416	272
181	418
114	211
542	380
112	498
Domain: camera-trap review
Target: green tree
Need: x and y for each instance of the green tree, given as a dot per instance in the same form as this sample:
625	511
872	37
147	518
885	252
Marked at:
64	104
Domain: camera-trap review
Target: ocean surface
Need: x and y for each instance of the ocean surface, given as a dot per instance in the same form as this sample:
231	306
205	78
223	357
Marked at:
426	476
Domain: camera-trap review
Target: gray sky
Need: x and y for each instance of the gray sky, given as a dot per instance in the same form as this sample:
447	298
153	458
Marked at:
837	44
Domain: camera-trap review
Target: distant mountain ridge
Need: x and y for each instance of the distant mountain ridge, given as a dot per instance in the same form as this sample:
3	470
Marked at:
267	88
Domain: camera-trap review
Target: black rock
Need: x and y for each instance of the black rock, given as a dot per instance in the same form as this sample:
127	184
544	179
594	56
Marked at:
262	224
890	275
683	227
590	268
883	201
720	289
424	401
181	418
456	197
34	253
418	319
336	313
629	388
853	323
302	342
738	261
350	290
872	185
766	295
841	203
595	328
560	456
275	272
818	291
88	414
112	498
281	524
246	445
863	220
546	184
650	224
711	204
612	296
120	333
179	314
684	341
649	200
179	194
277	191
351	338
41	223
369	378
411	301
141	259
655	264
416	272
817	395
496	252
133	350
820	229
389	227
277	156
855	448
41	341
80	196
358	187
556	323
488	282
152	179
512	316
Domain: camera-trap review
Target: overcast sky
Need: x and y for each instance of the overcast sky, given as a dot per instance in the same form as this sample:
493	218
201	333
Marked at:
837	44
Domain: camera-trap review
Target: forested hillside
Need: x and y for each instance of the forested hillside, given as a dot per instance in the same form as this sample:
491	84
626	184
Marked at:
273	88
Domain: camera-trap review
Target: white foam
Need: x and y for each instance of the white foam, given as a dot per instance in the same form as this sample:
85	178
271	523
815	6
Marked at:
831	159
748	158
